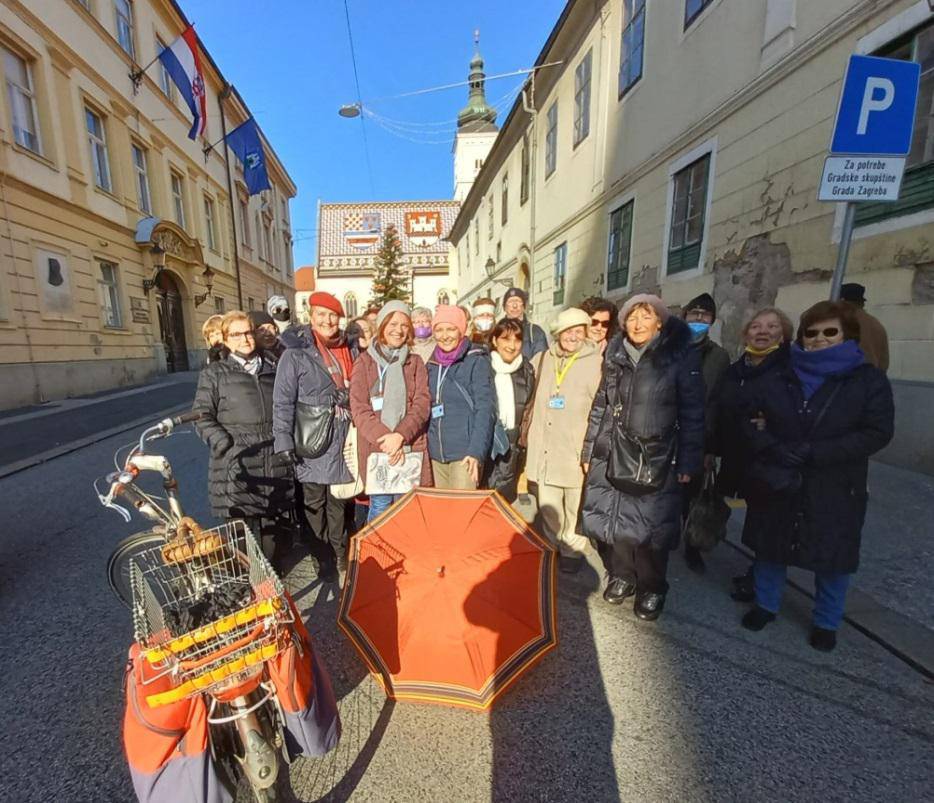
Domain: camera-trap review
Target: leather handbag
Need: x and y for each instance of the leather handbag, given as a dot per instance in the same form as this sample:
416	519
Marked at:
313	430
638	465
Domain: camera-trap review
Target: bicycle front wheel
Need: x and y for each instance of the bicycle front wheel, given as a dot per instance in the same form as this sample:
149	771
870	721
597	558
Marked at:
118	566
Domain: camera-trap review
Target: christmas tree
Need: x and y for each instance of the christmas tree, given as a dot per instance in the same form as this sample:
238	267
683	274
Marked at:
389	280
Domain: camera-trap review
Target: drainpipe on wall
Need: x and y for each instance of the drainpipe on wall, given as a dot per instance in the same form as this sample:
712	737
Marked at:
224	94
528	104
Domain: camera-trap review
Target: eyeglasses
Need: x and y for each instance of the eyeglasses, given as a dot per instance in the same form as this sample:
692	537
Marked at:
830	331
601	324
241	335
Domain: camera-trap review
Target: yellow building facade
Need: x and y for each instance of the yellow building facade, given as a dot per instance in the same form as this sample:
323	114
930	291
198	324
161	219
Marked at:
118	237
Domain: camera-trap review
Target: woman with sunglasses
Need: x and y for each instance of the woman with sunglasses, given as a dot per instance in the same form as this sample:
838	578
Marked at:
602	321
817	422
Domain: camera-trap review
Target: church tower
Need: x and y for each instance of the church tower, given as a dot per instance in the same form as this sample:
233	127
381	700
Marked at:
476	128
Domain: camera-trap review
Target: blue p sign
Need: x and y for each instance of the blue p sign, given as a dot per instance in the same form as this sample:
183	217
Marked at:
877	107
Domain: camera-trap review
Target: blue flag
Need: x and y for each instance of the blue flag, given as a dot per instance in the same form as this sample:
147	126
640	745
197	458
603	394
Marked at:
245	141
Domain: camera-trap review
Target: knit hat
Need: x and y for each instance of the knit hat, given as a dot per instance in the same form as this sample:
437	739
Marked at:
569	318
643	298
326	300
853	292
703	302
446	313
388	309
484	305
276	304
258	318
516	292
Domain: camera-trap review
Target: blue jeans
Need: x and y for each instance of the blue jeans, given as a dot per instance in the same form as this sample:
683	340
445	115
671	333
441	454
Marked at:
380	503
829	592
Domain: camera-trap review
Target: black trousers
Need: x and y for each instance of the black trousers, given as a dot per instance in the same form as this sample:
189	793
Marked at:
327	518
640	563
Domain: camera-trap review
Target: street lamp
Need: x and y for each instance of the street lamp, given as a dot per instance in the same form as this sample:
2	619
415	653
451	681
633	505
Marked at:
208	278
158	254
490	267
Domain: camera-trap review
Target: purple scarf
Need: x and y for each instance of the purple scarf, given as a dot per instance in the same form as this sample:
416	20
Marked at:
447	358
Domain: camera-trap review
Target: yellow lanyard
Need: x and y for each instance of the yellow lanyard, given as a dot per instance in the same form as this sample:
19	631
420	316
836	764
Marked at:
559	375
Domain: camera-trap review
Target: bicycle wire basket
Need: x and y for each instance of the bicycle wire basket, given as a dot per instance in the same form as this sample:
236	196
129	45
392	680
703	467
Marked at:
211	616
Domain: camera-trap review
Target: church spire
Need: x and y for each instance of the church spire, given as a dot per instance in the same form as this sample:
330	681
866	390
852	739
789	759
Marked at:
477	115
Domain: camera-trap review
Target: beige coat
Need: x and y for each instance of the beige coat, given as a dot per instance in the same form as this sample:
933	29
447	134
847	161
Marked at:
556	437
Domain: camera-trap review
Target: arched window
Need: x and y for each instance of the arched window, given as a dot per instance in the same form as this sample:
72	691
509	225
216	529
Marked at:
350	305
443	298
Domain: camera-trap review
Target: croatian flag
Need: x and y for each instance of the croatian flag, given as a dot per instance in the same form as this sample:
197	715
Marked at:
182	63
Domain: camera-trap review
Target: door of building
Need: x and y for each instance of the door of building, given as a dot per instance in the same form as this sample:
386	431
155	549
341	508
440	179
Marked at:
172	324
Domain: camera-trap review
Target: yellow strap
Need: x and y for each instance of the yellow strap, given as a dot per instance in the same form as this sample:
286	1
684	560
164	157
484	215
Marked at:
559	375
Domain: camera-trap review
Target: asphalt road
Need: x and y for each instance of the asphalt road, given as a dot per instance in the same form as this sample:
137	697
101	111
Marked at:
691	708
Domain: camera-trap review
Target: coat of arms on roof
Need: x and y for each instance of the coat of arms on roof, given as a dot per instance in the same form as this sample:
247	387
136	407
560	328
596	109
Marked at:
362	229
423	228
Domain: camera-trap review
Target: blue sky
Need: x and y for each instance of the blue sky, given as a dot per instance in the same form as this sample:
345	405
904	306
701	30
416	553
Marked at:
290	60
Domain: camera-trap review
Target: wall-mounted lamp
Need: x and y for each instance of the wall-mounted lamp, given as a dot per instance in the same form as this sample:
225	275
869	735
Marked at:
490	267
208	278
158	258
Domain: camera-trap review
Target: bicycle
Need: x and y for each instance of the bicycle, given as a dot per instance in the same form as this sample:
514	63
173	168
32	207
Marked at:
209	613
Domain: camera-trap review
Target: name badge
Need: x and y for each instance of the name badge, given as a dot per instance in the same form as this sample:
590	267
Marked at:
437	411
376	402
556	403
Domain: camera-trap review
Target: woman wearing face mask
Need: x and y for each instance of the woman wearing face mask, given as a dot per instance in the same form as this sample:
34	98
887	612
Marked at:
645	441
818	421
513	380
460	381
389	399
484	318
424	343
246	479
569	375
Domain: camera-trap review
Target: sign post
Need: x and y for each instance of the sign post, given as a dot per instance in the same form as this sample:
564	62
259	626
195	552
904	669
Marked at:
871	138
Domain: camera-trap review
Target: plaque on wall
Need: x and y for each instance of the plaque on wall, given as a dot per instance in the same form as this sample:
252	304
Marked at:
139	310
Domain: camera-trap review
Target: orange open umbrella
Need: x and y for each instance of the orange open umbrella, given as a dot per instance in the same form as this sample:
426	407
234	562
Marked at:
449	597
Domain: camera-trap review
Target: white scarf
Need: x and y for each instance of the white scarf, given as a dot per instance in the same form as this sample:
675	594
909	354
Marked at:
505	393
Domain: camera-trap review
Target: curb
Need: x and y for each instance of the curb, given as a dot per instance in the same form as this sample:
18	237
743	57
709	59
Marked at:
59	451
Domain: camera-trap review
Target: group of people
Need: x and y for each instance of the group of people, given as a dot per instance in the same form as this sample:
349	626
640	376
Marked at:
615	425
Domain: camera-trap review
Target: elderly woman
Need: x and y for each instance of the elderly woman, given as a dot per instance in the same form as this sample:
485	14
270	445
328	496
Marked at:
818	420
460	381
569	375
423	344
214	338
246	479
603	324
514	381
484	319
644	441
312	387
389	399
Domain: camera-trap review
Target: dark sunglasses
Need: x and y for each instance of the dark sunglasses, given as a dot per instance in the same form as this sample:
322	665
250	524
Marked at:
830	331
601	324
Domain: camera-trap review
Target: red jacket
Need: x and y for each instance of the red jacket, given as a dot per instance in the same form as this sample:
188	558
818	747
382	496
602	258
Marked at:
414	425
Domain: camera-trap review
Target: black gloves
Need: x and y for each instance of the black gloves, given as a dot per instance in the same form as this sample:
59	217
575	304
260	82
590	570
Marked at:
794	455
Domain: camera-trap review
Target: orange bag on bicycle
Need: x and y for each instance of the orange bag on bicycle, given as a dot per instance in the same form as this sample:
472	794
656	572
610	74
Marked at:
167	747
312	723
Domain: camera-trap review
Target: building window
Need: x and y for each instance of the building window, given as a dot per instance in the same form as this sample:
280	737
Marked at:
123	11
692	9
109	292
444	299
525	163
22	97
165	80
141	167
178	197
917	192
220	306
504	200
477	165
560	275
210	229
287	251
467	248
267	243
350	305
582	99
250	302
630	52
688	206
489	215
476	236
244	206
285	209
261	252
96	139
551	140
617	268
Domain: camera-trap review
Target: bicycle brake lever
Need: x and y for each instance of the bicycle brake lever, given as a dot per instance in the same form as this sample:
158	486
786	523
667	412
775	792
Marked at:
107	501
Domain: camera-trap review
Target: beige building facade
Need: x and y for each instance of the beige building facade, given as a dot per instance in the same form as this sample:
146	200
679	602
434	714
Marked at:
678	147
116	232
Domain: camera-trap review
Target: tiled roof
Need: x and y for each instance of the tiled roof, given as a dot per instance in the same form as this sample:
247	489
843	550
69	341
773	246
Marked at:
305	278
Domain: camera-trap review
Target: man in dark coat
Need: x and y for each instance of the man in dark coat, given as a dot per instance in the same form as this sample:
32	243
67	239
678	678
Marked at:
700	314
873	339
246	479
534	340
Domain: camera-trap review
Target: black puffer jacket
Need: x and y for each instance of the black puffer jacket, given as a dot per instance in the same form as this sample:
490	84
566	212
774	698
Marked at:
502	474
245	477
816	525
661	395
733	407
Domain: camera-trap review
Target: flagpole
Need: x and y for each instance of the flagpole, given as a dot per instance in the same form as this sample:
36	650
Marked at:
137	76
224	94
